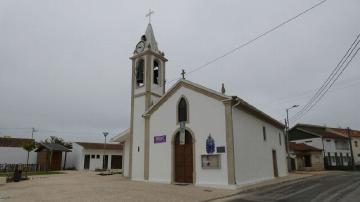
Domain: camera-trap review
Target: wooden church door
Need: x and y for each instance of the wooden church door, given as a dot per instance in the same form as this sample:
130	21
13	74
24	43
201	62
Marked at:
184	159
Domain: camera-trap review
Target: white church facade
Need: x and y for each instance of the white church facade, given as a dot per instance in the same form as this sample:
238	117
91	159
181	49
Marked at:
192	134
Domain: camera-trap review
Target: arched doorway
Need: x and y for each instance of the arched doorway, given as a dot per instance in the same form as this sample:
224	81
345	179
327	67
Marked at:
183	164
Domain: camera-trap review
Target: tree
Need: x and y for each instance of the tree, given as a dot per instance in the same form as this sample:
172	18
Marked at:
60	141
29	146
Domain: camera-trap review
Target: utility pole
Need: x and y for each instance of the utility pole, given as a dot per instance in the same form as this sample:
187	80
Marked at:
351	150
105	134
287	145
287	127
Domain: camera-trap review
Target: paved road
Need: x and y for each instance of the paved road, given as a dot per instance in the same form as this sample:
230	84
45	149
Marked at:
332	187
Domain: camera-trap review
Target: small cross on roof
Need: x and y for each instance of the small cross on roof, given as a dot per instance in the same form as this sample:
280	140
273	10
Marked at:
149	15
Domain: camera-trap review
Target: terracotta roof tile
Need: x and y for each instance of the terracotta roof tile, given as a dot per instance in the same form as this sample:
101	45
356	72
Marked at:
302	147
343	132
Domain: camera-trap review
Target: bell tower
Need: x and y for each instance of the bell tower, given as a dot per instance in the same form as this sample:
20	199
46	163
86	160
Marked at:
148	67
147	86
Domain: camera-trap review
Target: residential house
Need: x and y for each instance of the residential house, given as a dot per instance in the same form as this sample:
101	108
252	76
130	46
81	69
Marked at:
355	141
335	146
93	156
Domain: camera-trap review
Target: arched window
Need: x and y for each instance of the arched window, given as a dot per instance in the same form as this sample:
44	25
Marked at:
140	73
156	72
182	110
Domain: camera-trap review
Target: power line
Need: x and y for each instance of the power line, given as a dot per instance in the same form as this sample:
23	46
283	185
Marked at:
15	128
330	85
300	115
330	77
307	95
248	42
254	39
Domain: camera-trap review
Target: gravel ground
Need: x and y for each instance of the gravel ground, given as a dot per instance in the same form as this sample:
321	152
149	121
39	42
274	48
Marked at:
87	186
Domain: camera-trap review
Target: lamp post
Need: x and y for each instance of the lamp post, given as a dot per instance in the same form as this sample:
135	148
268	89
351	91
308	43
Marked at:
105	134
287	126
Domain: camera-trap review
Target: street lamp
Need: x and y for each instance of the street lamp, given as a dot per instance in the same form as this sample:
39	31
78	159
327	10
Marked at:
287	126
287	114
105	134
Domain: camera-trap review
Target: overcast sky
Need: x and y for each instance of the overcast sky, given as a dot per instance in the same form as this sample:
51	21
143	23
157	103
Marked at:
65	67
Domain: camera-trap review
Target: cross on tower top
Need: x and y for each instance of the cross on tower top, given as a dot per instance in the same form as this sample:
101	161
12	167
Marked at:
183	73
149	15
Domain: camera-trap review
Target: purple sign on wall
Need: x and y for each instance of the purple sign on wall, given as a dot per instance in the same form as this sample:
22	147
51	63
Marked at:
160	139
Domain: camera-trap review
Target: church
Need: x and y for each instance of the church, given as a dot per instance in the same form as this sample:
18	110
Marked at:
193	134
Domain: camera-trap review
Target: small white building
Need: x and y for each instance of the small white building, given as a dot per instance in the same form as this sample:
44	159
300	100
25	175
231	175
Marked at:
90	156
12	152
192	134
306	157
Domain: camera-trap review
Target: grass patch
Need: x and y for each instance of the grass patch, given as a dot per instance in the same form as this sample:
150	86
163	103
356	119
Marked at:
36	173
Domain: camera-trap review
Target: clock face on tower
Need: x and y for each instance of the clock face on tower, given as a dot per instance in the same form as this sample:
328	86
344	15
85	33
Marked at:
140	47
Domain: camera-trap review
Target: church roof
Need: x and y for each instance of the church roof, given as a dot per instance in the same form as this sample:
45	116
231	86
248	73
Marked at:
121	136
240	104
150	39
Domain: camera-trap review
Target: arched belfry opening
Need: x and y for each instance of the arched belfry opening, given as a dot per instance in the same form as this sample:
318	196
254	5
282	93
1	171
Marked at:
140	73
182	110
183	158
156	71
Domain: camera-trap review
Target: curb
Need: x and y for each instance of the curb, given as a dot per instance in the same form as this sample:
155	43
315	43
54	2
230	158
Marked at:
259	186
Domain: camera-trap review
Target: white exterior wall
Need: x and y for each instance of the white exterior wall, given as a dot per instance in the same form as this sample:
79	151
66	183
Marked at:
253	155
356	149
314	142
330	147
138	139
126	156
73	158
76	158
97	163
16	155
202	122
